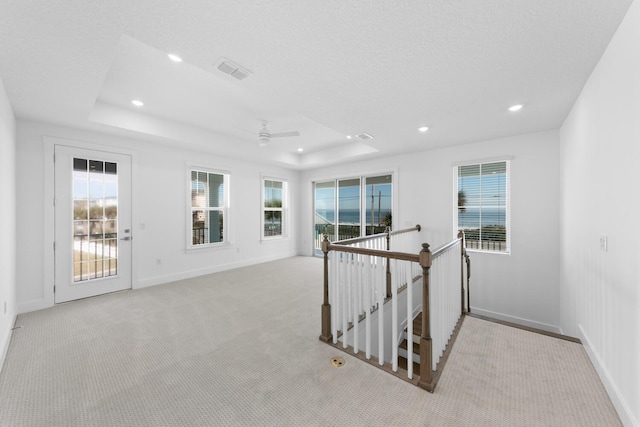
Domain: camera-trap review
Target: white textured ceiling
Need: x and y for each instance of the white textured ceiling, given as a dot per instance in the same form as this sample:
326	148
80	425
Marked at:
327	69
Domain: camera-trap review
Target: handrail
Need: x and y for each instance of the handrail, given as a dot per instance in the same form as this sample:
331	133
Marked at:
358	239
361	285
381	240
389	232
442	249
416	227
373	252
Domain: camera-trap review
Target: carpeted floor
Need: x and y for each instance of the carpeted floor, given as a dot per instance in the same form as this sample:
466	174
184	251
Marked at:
241	348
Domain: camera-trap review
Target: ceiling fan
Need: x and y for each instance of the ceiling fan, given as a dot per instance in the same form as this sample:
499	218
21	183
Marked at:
264	136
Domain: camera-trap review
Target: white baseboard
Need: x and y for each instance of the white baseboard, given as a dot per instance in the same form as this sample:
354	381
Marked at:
620	404
518	320
6	339
158	280
42	303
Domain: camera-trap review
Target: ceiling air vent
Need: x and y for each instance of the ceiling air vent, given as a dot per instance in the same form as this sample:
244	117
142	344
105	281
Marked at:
364	136
232	69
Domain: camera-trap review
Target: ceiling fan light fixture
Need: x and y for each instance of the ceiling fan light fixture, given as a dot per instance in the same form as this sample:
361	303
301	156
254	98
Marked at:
264	136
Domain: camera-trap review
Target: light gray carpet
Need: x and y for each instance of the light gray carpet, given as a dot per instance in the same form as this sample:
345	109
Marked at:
241	348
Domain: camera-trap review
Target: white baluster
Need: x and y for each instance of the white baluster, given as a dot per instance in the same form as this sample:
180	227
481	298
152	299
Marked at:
367	304
394	322
435	313
348	302
333	300
356	304
344	303
409	321
380	282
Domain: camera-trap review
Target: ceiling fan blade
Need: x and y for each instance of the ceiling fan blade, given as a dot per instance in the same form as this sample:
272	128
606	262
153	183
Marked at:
281	134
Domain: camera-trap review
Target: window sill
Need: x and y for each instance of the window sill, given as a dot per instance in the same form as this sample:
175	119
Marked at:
208	247
273	239
484	251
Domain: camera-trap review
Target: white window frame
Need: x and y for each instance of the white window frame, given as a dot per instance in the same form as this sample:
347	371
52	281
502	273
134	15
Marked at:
284	209
456	229
224	209
395	181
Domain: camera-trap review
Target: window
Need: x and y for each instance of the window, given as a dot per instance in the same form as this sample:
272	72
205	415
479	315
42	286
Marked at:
352	207
209	208
379	190
274	208
95	219
349	208
482	206
325	209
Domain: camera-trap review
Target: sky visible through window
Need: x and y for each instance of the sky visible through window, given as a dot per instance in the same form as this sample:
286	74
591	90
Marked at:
482	195
378	199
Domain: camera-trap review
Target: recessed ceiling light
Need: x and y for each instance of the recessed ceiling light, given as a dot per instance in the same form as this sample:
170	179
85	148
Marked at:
174	58
300	150
515	107
348	136
423	129
137	103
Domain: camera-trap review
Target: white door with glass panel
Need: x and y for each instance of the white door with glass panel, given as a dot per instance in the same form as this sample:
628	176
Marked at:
92	223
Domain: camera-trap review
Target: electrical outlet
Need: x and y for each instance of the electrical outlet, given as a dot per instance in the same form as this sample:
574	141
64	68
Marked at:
604	243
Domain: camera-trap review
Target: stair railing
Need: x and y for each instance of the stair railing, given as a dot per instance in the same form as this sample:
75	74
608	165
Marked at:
356	282
446	304
404	240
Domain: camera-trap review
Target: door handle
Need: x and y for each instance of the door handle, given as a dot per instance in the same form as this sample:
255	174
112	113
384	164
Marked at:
127	238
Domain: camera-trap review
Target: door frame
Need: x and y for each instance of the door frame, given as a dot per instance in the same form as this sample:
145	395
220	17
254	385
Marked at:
393	171
49	212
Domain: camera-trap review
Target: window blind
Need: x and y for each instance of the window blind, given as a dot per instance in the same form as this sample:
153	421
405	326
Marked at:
482	208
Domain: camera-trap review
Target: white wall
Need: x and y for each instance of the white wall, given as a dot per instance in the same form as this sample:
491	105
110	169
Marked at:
521	287
159	212
600	154
7	221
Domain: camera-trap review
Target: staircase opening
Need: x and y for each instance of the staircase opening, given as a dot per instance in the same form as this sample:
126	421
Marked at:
392	302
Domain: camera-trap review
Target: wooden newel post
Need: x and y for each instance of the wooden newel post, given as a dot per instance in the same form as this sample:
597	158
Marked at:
426	373
326	307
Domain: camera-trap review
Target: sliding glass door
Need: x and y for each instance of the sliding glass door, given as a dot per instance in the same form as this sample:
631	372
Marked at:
348	209
352	207
325	211
378	202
